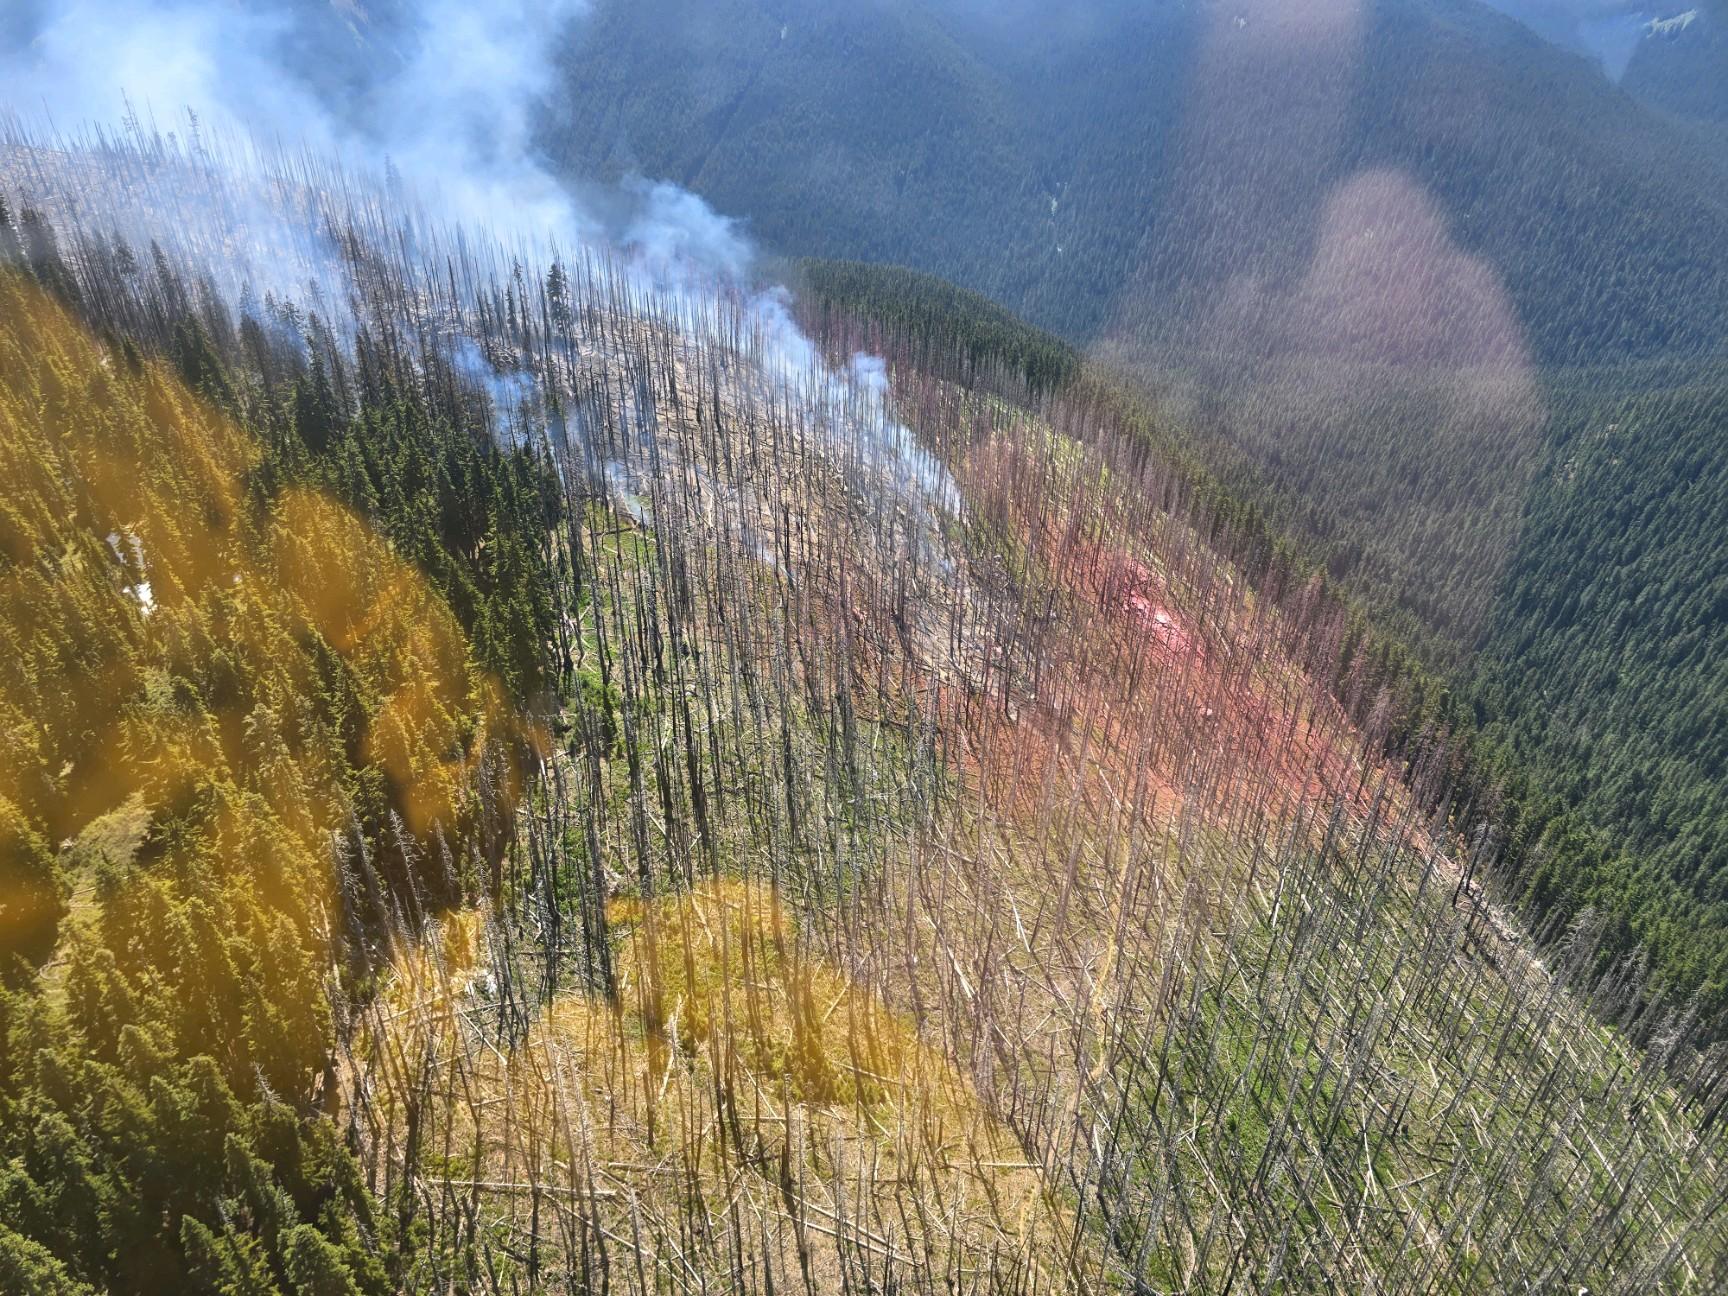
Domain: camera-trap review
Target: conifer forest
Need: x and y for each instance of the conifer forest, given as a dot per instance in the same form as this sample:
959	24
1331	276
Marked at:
553	740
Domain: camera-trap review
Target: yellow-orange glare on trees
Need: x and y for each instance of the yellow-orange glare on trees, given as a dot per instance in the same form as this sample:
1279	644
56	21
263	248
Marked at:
235	662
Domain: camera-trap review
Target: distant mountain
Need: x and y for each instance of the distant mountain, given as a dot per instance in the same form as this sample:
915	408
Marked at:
1672	56
1345	244
1681	62
1113	171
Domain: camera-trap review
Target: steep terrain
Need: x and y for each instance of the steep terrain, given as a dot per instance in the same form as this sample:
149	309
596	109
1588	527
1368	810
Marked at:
1681	62
1588	710
615	792
1359	252
1393	273
1672	56
1606	669
1109	170
222	692
1368	259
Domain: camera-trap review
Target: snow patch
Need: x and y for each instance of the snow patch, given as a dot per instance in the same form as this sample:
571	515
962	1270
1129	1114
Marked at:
1671	26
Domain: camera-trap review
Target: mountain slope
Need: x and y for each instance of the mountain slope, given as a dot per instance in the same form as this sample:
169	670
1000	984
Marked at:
1387	269
1681	63
1144	159
934	857
1591	709
214	672
1349	248
1606	668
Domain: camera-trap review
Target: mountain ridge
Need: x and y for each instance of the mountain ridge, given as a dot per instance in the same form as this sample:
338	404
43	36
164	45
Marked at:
1015	133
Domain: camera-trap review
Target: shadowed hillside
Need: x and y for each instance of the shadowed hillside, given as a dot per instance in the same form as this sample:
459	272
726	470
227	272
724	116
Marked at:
1106	172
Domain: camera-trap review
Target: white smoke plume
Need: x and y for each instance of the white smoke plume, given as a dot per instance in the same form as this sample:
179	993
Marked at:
429	106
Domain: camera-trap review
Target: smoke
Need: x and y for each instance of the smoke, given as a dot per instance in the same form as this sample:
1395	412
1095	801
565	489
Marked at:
675	232
259	112
446	91
98	61
508	390
445	94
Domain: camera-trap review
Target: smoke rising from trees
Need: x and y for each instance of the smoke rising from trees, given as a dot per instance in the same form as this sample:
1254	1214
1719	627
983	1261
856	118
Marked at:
426	106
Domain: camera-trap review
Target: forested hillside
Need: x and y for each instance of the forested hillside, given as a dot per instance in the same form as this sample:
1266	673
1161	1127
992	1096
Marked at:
262	636
1388	273
544	779
1108	169
1358	255
1606	665
1135	701
1591	713
962	334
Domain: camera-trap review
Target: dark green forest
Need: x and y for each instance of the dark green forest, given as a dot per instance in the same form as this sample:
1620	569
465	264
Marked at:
948	330
1104	170
1606	664
1133	697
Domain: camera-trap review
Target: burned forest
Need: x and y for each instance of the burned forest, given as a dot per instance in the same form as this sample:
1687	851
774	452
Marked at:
539	768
